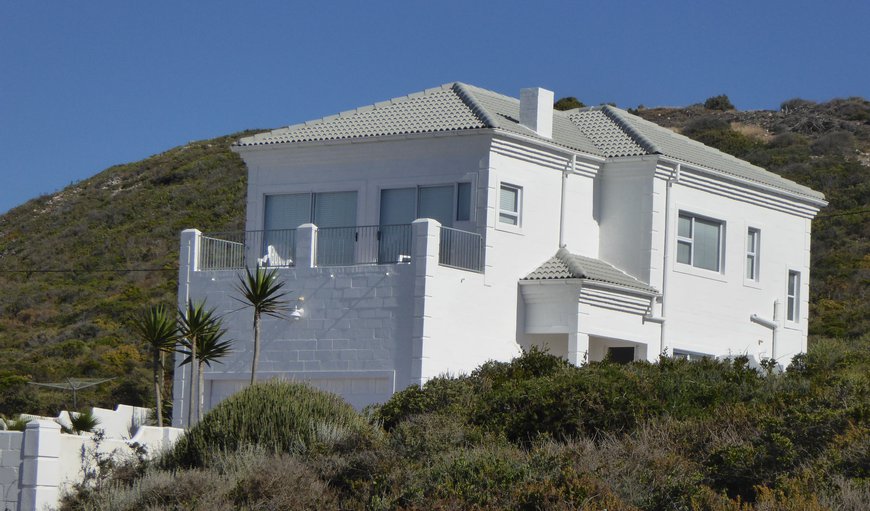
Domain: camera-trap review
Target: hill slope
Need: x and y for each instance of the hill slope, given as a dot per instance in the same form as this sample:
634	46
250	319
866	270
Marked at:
58	324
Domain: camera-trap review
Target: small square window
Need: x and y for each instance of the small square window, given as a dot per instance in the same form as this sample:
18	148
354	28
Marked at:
509	201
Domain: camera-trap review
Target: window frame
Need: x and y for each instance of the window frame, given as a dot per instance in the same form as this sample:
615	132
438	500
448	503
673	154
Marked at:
517	215
793	300
691	242
753	251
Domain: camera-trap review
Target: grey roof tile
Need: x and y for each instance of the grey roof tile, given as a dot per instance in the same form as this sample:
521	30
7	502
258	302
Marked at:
616	132
565	265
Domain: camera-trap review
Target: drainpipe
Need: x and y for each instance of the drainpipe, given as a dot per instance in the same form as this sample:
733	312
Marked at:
772	325
564	197
666	257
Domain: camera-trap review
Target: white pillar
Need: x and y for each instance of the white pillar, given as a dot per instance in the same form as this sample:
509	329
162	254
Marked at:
578	348
39	480
306	246
426	235
188	262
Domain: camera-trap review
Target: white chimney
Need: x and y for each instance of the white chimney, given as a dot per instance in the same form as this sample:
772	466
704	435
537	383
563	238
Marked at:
536	110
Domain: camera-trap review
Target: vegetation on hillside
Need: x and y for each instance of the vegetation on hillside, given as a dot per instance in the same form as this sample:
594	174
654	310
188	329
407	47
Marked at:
77	264
535	433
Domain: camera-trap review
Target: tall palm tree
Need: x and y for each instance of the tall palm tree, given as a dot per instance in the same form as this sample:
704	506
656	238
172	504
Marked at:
156	327
210	347
262	291
195	322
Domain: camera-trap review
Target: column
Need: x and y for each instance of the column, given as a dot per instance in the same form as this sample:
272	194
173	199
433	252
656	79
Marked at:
306	246
426	235
578	348
40	466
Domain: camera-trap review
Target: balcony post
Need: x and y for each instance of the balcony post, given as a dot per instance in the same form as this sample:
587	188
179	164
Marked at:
306	246
426	235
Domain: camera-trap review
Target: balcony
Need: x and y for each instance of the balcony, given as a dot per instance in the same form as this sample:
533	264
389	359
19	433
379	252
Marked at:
333	246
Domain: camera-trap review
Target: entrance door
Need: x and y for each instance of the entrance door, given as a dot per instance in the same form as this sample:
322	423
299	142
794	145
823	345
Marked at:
621	355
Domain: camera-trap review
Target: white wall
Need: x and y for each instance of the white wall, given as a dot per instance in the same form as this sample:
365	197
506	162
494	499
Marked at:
708	312
11	444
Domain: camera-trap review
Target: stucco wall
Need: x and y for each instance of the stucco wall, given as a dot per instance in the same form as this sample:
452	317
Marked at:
11	444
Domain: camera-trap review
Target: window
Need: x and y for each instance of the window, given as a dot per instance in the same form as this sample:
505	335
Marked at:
793	296
753	237
699	242
284	213
509	204
463	202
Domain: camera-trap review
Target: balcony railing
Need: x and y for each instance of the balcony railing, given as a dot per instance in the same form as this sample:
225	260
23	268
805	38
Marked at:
230	250
363	244
461	249
335	246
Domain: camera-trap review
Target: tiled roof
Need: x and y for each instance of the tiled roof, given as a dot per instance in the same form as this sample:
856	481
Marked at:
451	107
601	131
439	109
565	265
630	135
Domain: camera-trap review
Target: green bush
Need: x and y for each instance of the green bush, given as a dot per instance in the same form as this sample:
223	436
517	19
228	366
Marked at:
720	102
568	103
277	416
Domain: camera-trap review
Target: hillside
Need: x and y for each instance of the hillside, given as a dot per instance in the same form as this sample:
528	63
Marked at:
75	264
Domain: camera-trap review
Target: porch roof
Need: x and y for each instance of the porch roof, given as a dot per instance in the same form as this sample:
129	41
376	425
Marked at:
565	265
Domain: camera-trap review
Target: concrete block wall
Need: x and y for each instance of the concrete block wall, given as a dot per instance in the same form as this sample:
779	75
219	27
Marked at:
39	464
11	444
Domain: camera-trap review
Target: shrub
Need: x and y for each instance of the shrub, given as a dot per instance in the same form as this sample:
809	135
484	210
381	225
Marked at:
277	416
568	103
720	102
790	105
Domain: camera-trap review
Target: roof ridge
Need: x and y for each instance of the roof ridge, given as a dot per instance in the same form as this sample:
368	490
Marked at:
467	97
568	260
614	115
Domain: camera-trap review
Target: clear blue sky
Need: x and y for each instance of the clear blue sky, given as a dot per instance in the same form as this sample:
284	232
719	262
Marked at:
85	85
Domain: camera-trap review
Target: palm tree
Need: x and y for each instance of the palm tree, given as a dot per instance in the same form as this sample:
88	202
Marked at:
157	328
261	290
193	323
209	348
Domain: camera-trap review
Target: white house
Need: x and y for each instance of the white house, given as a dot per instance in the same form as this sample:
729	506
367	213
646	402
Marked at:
430	233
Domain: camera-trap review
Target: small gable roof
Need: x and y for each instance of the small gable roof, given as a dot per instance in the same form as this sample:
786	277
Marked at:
565	265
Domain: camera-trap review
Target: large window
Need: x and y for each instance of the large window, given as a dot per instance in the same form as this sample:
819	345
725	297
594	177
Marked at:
793	296
509	203
699	242
753	238
329	211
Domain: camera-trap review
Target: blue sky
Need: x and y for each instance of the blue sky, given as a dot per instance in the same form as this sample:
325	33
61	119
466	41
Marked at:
86	85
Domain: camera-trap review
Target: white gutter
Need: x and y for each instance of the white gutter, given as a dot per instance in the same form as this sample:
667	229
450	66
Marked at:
666	257
564	198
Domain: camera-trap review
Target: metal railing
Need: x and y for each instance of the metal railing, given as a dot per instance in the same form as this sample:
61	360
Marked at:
461	249
230	250
363	244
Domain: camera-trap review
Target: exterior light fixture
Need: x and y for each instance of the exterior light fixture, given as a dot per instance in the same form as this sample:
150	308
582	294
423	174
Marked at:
297	312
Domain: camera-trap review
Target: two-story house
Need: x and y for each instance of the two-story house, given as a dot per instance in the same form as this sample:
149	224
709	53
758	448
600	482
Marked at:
430	233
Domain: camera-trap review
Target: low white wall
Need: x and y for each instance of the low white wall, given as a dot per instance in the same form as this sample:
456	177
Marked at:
41	463
11	443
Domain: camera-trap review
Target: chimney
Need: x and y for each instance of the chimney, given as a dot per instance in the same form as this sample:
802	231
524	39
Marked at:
536	110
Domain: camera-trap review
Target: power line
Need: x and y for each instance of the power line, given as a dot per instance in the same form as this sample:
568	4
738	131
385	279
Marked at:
846	213
82	270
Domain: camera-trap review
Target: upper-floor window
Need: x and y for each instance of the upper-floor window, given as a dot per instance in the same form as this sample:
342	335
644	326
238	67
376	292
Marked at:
699	242
444	203
793	296
753	239
509	202
327	209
